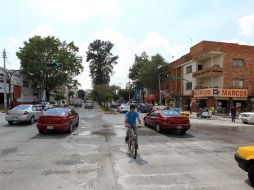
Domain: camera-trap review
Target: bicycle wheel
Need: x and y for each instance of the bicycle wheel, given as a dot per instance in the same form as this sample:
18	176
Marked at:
134	148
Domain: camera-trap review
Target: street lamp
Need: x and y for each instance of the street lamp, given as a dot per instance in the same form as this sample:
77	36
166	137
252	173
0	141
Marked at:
9	74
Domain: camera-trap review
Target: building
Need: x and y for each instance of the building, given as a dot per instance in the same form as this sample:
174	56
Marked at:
214	74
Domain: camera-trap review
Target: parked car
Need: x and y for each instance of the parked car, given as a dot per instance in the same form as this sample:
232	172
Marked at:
89	104
245	159
58	119
123	108
183	113
24	113
77	102
46	105
115	104
247	117
144	108
159	107
167	120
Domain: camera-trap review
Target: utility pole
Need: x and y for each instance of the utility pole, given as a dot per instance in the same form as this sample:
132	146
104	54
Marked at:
5	93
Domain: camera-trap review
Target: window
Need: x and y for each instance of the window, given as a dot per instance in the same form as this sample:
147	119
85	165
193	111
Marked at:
237	63
189	69
238	83
189	86
25	83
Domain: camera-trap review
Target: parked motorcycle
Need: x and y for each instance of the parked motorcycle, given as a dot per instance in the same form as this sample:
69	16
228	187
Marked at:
204	113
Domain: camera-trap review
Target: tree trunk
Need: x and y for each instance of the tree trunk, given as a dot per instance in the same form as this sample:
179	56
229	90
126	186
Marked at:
47	95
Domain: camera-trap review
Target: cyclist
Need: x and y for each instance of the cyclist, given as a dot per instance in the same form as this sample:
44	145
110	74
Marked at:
130	120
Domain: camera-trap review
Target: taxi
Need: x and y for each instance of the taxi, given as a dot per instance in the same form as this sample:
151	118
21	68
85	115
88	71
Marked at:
245	159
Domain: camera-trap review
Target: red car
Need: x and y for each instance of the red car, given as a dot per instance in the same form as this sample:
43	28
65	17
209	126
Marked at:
167	120
58	119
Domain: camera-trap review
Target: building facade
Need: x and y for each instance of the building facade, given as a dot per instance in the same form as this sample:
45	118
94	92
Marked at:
214	74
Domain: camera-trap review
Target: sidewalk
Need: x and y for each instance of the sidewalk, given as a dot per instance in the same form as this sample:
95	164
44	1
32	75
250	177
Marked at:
193	115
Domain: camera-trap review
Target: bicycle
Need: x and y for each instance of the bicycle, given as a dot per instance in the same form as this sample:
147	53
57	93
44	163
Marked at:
132	143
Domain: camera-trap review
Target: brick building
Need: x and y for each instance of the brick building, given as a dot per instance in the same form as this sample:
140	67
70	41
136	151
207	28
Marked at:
214	74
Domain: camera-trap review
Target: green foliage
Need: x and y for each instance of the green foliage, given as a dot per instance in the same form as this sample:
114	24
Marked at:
102	93
71	94
101	61
147	70
124	94
49	62
81	94
59	96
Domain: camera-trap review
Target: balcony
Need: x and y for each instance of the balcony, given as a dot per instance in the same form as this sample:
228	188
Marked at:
208	72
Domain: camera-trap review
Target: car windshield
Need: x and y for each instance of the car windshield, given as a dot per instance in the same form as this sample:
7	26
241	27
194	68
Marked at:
56	112
170	113
22	107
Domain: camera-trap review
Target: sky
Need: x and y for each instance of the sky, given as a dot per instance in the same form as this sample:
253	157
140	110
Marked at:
167	27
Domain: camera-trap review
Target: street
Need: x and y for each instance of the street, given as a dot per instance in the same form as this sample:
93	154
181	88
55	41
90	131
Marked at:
95	156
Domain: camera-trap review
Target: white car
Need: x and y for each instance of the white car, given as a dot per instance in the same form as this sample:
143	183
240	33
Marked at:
247	117
123	108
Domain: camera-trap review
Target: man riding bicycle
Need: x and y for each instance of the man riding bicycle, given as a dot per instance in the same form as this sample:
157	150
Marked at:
130	120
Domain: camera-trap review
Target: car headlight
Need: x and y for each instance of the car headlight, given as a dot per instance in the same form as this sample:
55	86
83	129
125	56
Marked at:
238	151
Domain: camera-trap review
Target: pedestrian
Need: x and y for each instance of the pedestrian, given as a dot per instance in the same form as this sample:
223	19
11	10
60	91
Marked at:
233	113
34	102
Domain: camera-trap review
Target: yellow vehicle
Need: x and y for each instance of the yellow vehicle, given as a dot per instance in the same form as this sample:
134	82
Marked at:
183	113
245	159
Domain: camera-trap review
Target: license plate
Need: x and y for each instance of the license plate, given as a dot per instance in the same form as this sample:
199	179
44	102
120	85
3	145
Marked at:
50	127
15	117
179	127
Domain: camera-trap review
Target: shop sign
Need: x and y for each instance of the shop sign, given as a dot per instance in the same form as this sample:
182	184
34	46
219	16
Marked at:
221	92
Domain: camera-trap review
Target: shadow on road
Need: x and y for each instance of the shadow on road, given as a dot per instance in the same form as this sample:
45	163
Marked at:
248	182
17	125
138	160
169	133
51	135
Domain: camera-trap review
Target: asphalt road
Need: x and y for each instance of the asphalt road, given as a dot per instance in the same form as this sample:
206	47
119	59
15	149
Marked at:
94	156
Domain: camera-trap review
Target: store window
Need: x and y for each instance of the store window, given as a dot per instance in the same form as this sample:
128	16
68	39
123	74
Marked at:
237	63
189	69
189	86
238	83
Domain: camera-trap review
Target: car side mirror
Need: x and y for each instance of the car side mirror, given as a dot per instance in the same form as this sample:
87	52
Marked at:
148	114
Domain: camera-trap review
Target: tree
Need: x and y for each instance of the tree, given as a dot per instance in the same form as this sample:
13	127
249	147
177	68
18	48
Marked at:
49	62
101	61
81	94
146	71
103	93
152	72
135	72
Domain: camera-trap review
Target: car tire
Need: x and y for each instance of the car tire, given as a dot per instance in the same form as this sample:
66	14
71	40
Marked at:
158	128
145	122
31	121
10	122
77	122
182	132
41	131
251	175
70	128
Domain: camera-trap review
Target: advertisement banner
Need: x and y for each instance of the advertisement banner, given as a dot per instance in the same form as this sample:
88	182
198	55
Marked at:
221	92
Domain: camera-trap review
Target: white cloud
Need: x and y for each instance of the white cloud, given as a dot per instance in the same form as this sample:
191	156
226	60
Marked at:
235	40
246	25
125	48
75	10
43	30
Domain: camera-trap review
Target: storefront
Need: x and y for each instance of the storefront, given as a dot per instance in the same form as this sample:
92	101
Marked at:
221	99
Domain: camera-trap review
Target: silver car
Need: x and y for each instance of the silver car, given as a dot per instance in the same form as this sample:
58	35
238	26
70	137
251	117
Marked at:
24	112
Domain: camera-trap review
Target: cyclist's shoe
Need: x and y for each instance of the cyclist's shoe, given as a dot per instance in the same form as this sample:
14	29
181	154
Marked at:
126	139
